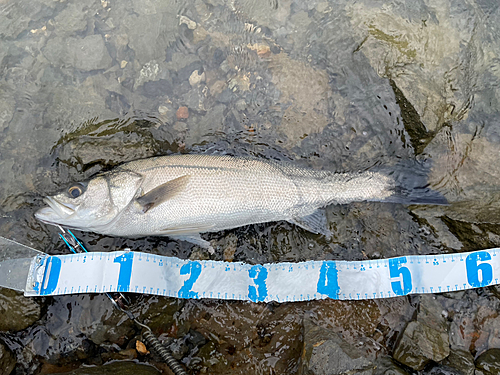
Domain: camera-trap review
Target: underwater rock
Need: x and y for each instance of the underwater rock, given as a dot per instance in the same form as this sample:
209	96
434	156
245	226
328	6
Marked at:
421	344
89	53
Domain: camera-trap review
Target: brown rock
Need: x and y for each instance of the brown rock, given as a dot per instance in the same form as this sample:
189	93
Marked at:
182	113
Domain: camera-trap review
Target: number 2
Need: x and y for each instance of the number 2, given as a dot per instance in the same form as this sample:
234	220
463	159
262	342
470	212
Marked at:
193	269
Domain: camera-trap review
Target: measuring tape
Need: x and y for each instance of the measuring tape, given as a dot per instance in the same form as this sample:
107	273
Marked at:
137	272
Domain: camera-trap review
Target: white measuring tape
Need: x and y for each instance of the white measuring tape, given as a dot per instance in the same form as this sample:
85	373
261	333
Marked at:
136	272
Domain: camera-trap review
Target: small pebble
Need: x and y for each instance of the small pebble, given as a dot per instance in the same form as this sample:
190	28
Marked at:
182	113
141	348
196	78
188	22
123	64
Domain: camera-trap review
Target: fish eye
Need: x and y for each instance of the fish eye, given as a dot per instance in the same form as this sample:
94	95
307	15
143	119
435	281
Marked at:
75	191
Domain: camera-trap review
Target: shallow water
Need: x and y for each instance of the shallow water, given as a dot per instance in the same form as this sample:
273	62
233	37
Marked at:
335	85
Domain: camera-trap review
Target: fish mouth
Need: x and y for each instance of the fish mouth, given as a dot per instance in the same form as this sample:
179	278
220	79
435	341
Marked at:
55	212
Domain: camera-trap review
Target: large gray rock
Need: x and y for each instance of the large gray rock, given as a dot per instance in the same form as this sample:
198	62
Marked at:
326	353
421	344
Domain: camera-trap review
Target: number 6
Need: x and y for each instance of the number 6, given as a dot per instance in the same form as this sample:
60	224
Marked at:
473	269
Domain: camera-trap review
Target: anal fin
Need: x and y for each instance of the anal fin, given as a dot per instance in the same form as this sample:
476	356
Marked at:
197	240
315	222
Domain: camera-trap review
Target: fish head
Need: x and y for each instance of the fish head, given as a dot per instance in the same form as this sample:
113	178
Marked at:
91	205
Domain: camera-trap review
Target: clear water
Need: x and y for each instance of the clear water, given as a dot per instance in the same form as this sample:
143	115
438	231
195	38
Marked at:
337	85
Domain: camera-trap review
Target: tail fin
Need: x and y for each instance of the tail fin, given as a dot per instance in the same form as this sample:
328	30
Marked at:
411	184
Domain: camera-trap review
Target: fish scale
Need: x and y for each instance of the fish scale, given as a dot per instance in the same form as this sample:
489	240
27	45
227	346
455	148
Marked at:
184	195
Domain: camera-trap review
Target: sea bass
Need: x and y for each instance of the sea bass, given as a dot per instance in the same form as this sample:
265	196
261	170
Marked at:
181	196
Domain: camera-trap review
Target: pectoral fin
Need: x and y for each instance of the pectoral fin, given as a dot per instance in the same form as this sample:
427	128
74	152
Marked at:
163	193
315	222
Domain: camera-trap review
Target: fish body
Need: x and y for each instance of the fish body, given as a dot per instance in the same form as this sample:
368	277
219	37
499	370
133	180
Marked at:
182	196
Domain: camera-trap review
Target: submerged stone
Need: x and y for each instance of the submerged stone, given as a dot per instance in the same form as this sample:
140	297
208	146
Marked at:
89	53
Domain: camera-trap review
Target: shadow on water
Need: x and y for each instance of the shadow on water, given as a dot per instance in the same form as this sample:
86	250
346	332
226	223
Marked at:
86	86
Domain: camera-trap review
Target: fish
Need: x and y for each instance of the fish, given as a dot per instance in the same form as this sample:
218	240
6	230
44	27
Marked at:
182	196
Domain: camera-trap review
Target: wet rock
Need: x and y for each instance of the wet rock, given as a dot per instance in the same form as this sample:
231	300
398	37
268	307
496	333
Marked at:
212	360
123	368
421	344
488	363
160	314
89	53
7	360
462	361
431	312
442	370
387	366
17	311
325	352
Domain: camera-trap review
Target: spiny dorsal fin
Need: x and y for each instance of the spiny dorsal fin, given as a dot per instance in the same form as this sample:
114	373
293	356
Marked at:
163	193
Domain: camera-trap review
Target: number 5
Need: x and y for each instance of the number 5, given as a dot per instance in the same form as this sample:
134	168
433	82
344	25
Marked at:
403	286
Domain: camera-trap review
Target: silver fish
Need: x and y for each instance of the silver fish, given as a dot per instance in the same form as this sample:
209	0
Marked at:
182	196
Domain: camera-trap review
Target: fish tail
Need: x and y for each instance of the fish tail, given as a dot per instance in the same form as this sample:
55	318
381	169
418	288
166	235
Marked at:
411	184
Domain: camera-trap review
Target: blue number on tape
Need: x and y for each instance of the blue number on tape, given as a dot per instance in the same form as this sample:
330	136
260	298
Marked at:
403	286
473	268
51	277
328	283
259	275
193	269
125	274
